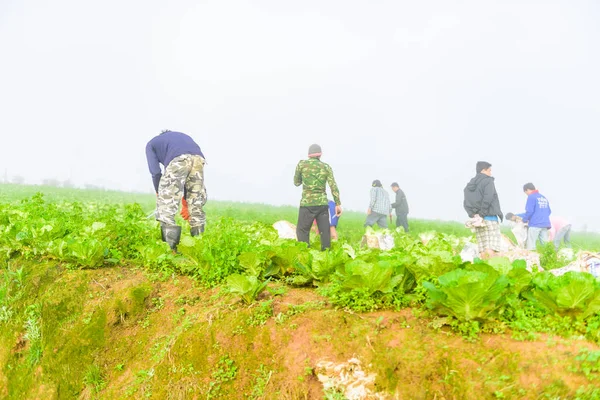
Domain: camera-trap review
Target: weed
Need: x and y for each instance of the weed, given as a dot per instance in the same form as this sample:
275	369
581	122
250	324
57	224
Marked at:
225	371
141	377
556	390
277	291
261	380
299	309
190	301
6	313
363	299
87	318
33	333
261	314
179	315
145	323
591	392
239	330
318	338
158	304
588	364
469	330
379	325
549	257
94	378
18	276
334	394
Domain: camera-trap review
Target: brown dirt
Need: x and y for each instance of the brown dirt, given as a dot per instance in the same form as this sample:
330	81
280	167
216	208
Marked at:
411	360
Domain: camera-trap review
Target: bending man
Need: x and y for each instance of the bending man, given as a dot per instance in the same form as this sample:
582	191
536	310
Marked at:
183	164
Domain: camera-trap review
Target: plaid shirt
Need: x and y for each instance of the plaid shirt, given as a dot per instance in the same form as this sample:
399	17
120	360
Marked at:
380	201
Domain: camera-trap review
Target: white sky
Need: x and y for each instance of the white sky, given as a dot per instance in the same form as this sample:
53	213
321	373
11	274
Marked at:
413	91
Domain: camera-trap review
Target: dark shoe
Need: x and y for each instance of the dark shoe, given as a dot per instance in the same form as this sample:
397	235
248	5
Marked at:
197	230
171	234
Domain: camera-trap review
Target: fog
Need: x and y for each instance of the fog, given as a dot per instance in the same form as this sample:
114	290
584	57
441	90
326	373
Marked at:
414	92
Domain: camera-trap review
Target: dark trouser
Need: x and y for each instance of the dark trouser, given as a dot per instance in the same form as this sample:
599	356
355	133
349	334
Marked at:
306	216
402	220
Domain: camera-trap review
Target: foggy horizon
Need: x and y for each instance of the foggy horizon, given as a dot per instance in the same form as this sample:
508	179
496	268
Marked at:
395	91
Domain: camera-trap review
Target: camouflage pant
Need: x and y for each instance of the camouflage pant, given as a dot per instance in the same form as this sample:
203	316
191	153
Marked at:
185	171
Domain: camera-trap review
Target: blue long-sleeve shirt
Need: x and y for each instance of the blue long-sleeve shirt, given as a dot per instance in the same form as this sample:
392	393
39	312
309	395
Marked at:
164	148
537	211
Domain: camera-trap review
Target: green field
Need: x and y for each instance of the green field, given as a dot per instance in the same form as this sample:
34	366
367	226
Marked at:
94	305
350	228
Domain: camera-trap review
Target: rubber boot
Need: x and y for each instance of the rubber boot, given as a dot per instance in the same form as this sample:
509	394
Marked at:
197	230
171	234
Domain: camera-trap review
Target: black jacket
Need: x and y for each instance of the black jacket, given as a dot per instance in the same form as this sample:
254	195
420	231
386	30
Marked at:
401	205
481	197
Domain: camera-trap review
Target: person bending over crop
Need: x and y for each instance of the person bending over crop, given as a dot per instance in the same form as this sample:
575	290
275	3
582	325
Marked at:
379	206
481	199
560	231
314	176
182	180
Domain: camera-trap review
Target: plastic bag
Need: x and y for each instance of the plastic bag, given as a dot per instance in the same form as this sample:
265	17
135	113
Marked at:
520	231
285	229
378	240
469	252
386	242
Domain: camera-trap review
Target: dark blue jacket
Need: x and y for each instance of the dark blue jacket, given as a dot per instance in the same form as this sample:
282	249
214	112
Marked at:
164	148
537	211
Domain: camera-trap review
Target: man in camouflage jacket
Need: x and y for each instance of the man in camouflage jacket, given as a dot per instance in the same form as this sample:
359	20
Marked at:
314	176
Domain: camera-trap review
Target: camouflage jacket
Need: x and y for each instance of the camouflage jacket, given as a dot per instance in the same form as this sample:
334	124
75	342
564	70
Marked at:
314	175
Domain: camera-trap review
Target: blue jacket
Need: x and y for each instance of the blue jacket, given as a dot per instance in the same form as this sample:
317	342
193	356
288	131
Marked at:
164	148
537	211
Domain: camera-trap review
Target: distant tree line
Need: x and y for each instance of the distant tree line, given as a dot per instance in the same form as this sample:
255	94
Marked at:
19	180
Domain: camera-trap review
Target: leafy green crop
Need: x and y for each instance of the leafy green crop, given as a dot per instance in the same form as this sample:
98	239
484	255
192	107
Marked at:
247	287
468	295
574	294
371	277
317	266
245	255
365	286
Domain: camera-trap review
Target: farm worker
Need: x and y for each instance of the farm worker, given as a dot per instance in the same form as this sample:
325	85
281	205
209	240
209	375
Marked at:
379	206
314	176
183	177
481	200
560	231
401	207
536	216
333	221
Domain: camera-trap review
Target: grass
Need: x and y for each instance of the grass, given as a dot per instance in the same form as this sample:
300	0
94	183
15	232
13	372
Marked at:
94	378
